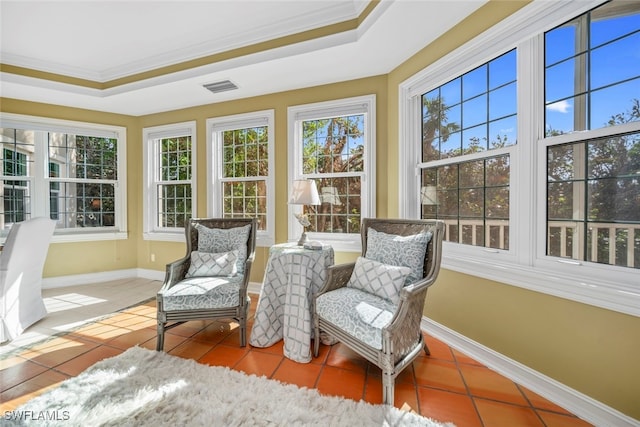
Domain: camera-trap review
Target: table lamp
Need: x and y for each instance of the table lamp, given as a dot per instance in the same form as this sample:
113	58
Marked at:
304	192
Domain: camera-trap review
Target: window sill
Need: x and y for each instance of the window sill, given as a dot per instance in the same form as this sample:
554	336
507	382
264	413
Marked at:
620	297
339	242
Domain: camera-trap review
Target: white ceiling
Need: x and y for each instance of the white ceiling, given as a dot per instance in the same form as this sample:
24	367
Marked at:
105	40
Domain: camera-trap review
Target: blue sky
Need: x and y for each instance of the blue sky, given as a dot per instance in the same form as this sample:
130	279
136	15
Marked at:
614	72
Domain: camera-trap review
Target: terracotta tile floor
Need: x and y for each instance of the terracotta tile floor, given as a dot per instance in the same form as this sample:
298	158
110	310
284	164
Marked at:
446	386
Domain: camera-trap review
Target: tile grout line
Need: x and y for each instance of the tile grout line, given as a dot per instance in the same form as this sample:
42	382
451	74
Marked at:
466	386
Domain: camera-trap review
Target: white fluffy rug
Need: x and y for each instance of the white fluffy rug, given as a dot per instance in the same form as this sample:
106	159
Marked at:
147	388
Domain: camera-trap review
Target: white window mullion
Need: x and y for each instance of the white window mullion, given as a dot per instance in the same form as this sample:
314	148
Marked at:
121	184
409	156
527	189
38	186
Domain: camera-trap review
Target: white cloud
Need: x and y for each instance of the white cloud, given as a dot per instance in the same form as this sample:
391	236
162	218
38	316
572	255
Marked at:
560	107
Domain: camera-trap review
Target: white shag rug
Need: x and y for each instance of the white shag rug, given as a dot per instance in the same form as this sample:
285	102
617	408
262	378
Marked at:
142	387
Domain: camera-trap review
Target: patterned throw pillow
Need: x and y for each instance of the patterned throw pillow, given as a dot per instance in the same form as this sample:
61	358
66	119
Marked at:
379	279
205	264
217	240
406	251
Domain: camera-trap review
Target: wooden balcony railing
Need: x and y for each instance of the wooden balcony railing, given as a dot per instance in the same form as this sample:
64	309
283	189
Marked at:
614	244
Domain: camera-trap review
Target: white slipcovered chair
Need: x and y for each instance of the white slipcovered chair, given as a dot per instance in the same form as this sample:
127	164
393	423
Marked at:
21	264
211	280
374	306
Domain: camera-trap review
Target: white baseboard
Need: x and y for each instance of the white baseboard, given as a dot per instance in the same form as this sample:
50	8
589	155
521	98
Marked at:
151	274
103	276
254	288
106	276
581	405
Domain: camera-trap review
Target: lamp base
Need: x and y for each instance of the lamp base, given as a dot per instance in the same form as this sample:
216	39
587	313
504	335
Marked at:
303	239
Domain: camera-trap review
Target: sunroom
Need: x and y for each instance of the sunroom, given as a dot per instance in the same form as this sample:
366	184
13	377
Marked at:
516	123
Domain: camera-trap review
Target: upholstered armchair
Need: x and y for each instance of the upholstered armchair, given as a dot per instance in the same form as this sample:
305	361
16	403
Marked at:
21	264
211	280
374	305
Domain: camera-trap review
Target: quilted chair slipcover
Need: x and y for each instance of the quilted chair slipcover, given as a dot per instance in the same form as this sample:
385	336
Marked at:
384	332
21	265
211	280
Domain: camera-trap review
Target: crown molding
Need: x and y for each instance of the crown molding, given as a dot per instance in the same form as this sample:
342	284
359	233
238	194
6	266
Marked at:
321	24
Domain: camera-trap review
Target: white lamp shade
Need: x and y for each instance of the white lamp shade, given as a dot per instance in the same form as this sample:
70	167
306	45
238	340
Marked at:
304	192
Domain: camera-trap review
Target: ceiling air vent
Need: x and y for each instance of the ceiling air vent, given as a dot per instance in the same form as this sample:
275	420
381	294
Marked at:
221	86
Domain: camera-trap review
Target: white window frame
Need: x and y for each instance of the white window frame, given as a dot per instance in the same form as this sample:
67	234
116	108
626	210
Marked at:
525	264
346	242
215	126
40	179
151	137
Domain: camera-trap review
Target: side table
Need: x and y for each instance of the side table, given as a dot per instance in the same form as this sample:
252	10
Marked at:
292	276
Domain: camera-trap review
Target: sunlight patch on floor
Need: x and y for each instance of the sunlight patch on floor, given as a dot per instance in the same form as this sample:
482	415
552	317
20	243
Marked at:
72	307
70	301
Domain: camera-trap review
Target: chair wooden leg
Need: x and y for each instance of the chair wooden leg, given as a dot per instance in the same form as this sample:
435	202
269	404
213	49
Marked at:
426	349
243	325
243	333
388	383
160	338
316	346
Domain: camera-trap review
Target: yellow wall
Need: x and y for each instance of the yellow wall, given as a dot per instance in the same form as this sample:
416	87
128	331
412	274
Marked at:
589	349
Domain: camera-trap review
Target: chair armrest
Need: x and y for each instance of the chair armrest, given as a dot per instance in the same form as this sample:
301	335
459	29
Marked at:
175	272
249	261
337	277
404	328
247	273
417	287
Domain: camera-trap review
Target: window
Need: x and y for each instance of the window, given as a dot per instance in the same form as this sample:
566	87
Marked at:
470	117
241	167
332	143
170	177
593	181
542	190
68	171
